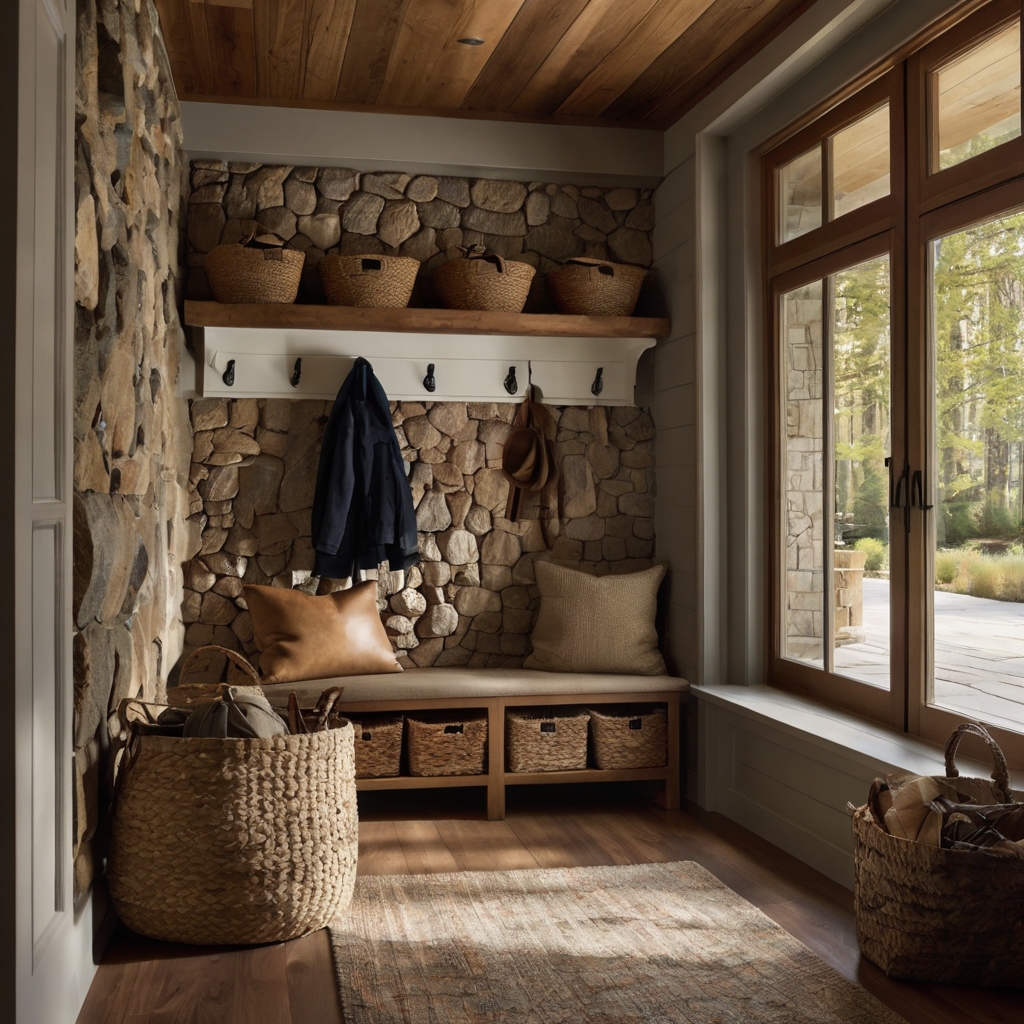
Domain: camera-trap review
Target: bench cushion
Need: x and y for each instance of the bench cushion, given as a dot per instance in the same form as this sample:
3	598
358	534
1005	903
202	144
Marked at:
435	683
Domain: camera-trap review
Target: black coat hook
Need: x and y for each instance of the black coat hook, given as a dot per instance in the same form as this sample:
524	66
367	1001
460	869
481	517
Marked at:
511	384
297	372
598	386
228	376
428	382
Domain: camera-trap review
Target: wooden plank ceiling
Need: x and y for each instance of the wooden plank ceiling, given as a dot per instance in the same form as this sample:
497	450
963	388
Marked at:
642	62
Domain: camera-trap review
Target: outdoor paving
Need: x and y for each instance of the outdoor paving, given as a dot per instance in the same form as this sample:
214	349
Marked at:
979	653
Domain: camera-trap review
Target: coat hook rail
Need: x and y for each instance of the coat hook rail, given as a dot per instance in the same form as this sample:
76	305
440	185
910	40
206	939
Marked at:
511	384
297	372
429	382
228	376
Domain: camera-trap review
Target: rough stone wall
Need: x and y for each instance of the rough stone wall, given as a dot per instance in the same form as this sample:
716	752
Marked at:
132	435
473	599
333	209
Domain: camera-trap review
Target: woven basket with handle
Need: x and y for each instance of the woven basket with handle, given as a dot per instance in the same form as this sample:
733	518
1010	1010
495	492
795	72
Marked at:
925	913
232	841
483	280
257	269
634	736
446	742
546	740
591	287
187	694
378	281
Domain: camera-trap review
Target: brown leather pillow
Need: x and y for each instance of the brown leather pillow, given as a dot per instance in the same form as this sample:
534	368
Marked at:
305	637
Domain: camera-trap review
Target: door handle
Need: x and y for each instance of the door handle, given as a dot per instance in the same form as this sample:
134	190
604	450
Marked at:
917	491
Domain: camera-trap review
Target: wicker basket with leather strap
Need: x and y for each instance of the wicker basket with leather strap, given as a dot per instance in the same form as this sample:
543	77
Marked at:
483	280
925	913
595	287
257	269
377	281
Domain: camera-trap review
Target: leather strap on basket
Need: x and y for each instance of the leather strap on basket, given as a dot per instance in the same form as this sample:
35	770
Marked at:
481	252
232	656
1000	773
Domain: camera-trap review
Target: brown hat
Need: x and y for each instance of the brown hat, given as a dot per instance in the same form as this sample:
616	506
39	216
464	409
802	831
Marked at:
525	458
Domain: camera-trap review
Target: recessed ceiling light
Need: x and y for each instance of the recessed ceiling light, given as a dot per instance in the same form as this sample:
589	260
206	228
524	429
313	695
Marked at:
471	41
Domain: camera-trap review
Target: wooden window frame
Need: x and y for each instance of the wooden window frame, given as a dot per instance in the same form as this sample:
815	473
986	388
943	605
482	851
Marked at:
922	205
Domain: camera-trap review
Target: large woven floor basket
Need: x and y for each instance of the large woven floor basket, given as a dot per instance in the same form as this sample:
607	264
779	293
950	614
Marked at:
930	914
237	841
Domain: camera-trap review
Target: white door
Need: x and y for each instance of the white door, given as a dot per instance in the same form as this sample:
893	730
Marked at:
52	944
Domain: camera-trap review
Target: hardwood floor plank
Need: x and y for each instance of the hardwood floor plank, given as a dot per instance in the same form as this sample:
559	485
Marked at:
309	968
425	851
485	846
661	27
558	841
380	852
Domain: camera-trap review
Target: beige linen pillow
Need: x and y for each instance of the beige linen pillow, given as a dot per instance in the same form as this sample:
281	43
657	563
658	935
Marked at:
597	623
304	637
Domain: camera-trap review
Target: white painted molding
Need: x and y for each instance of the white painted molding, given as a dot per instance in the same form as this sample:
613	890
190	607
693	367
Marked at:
467	368
515	150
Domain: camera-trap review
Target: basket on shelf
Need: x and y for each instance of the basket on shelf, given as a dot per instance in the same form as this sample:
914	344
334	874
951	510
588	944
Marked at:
232	841
378	281
186	694
446	742
926	913
592	287
483	280
378	740
257	269
632	736
546	739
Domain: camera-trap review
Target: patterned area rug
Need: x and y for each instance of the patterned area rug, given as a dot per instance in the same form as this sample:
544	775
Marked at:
642	944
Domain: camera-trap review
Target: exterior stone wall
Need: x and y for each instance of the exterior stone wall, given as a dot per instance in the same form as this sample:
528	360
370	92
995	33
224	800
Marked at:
336	210
132	434
473	599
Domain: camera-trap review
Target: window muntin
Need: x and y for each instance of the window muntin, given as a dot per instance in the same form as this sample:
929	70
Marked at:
976	99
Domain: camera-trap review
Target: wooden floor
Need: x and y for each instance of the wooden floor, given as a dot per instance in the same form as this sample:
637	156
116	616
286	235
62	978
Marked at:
146	982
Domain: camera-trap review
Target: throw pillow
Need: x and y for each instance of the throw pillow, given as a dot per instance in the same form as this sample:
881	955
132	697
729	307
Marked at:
304	637
597	623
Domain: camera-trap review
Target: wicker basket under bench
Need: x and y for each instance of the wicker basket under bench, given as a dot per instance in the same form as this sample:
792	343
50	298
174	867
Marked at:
494	691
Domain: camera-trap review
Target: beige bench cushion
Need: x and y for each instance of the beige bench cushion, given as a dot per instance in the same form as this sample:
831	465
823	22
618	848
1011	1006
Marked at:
433	683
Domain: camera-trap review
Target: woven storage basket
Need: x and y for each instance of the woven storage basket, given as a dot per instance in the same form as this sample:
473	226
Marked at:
630	737
546	739
187	694
482	280
446	743
378	740
595	287
234	841
929	914
240	272
376	281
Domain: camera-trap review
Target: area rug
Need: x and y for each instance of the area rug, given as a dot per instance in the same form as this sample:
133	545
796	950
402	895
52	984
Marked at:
641	944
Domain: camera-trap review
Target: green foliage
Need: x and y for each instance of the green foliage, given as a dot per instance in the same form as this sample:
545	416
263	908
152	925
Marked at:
996	520
996	577
959	522
877	553
871	504
946	565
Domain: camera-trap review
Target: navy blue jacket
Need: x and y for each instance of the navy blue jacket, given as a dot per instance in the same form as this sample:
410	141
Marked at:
362	510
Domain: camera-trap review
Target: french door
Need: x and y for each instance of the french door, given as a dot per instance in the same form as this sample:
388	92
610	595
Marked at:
895	284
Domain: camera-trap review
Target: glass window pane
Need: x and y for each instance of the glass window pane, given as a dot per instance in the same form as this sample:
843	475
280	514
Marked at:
860	162
803	519
860	442
799	185
978	464
977	97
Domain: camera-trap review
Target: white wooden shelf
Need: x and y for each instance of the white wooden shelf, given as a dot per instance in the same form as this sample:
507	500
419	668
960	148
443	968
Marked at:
472	352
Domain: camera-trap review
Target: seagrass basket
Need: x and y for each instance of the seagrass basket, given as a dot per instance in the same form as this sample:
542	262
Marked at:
378	745
925	913
233	841
595	287
546	739
257	269
483	280
378	281
446	742
632	736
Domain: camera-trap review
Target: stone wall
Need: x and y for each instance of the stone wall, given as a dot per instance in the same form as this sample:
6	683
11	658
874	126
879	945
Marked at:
132	434
473	599
332	209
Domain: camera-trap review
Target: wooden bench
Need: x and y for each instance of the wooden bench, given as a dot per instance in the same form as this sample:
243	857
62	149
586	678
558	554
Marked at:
494	691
